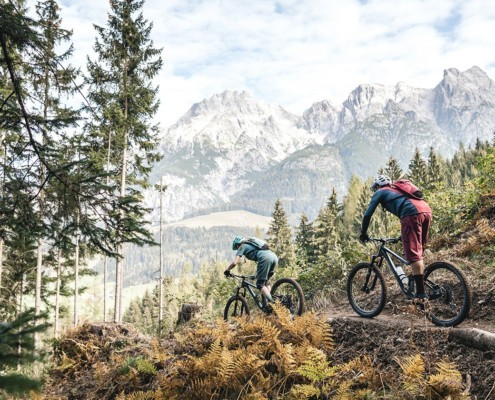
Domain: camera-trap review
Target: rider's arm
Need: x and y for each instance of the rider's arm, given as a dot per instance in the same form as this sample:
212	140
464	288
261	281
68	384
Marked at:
375	200
236	261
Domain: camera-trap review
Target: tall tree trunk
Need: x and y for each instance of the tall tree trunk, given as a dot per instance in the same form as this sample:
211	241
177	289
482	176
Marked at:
2	193
76	276
57	294
37	293
105	260
39	263
160	314
105	294
1	264
119	266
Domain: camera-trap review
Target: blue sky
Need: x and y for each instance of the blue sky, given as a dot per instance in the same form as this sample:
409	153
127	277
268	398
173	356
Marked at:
296	52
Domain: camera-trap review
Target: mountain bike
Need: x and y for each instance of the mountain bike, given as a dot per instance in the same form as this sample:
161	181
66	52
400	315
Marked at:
448	294
285	290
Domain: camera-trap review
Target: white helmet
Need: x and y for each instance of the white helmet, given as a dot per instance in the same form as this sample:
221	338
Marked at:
380	180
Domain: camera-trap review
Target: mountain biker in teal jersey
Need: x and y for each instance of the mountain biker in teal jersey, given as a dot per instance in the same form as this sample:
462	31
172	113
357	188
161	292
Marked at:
415	219
255	249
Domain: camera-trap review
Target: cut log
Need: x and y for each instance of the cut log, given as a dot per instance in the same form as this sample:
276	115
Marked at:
473	337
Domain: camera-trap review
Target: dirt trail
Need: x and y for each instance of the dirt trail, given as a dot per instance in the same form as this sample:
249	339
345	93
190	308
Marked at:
397	333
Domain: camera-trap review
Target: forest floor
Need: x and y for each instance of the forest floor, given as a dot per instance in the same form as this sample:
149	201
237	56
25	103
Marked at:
401	331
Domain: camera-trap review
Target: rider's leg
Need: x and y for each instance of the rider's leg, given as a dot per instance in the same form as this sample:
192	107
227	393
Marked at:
267	261
419	277
265	290
414	230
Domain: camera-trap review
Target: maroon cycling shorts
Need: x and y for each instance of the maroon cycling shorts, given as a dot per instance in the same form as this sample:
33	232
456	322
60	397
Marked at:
414	231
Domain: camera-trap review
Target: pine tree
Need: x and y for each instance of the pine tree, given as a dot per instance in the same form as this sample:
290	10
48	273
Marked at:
51	83
280	237
350	203
393	169
435	170
304	244
326	230
124	102
17	344
418	170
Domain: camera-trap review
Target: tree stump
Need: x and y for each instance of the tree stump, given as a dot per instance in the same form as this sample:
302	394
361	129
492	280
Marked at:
187	312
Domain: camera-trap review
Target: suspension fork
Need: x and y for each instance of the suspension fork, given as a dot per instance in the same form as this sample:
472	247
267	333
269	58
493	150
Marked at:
241	290
375	260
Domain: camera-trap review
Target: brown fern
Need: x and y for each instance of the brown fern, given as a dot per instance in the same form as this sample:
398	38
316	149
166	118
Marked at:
446	382
413	369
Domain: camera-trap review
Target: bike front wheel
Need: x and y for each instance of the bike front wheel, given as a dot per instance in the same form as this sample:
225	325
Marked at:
448	294
236	307
366	290
290	295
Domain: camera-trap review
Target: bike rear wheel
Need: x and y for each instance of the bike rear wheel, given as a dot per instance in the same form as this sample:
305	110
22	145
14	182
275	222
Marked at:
448	294
236	307
290	295
366	290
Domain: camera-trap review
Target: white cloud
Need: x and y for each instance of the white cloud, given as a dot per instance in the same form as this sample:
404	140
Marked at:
296	52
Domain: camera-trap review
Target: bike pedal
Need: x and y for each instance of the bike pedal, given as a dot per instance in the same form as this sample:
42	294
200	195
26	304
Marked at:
422	303
267	309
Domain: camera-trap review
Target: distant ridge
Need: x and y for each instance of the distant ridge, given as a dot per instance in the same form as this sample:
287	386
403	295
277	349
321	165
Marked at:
239	218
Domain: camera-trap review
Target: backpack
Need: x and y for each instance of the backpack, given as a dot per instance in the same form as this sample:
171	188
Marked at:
408	188
258	243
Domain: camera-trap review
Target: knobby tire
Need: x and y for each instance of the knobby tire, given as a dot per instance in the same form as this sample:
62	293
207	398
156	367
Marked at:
450	303
367	295
236	307
290	294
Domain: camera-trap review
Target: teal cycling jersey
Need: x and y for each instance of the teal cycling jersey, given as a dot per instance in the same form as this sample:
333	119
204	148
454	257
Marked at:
249	251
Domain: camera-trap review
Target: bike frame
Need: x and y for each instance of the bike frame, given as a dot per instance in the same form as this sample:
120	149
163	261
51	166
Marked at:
384	253
247	286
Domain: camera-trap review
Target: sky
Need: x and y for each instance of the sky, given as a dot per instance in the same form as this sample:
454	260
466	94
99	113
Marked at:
296	52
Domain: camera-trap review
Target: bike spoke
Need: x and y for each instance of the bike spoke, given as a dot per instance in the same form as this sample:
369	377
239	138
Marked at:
366	290
448	293
289	294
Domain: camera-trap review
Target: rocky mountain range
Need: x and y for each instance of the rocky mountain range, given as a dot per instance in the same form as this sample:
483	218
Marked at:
233	152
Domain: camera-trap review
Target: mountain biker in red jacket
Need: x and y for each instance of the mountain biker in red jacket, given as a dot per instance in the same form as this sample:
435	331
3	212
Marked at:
415	219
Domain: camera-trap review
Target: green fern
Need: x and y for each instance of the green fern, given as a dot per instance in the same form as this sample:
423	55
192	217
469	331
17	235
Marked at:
316	367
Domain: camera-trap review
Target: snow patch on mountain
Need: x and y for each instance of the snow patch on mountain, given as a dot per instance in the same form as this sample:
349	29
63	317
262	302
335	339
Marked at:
224	146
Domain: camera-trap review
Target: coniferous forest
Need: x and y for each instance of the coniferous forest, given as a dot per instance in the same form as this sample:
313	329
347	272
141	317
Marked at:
76	153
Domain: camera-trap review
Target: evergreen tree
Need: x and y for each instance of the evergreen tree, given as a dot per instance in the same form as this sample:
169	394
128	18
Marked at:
435	174
52	84
327	268
304	244
326	230
418	170
124	102
350	204
280	237
393	169
17	344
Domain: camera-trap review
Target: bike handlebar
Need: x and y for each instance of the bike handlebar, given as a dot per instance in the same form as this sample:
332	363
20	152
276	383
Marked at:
241	276
385	240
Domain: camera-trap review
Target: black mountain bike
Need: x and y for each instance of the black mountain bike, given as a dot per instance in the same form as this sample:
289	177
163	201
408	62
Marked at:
285	290
449	296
